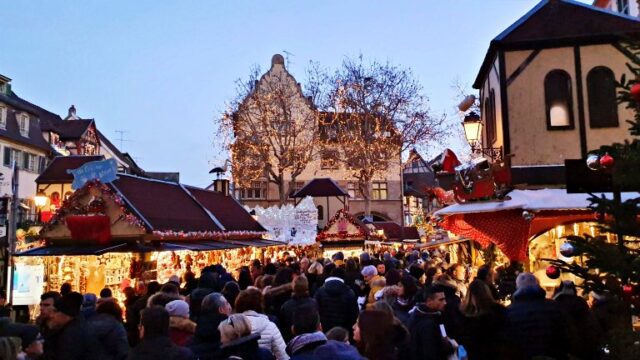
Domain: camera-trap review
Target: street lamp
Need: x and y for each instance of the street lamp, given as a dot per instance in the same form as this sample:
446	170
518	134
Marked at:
473	132
40	200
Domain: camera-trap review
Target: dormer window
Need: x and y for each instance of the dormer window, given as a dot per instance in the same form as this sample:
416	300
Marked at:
23	124
3	116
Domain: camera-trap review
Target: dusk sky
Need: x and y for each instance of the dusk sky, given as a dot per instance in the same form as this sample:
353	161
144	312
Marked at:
162	71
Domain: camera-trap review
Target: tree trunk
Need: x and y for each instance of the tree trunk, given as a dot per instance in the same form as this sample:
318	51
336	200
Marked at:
282	191
366	194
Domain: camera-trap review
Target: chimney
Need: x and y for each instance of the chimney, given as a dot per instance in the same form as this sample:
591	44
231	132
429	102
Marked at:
221	186
72	113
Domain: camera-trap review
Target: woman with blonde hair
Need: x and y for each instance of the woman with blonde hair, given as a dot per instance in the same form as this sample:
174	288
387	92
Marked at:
237	342
484	318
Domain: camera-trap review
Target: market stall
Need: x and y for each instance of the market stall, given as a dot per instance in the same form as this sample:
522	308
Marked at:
138	229
344	233
527	225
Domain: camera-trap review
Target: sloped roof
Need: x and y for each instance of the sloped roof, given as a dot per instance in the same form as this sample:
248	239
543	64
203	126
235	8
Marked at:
72	129
554	23
226	209
392	230
12	131
56	172
168	206
320	187
410	233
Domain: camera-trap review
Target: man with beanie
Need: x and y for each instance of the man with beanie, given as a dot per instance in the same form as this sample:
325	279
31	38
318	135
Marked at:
181	329
537	327
338	259
154	333
70	338
299	298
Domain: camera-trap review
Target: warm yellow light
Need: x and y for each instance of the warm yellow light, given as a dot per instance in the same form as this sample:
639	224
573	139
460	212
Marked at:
472	128
380	232
560	231
40	199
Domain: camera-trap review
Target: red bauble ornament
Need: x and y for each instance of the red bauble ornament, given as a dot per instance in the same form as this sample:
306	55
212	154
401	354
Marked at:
627	289
553	272
607	161
635	92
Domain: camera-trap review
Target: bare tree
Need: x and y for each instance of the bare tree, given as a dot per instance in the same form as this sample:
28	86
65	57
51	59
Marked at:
375	111
274	129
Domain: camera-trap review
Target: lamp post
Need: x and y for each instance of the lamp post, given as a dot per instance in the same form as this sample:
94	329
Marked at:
40	200
473	132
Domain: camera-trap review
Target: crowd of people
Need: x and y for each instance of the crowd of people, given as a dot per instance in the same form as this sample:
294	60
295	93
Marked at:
386	306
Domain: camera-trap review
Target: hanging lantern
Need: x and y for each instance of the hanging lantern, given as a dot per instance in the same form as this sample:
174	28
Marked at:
635	92
607	161
593	162
553	272
567	249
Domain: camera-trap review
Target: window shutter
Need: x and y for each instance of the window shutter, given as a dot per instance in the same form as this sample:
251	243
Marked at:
7	156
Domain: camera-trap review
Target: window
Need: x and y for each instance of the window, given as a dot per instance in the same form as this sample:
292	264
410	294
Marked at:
320	212
623	6
23	124
558	100
3	116
603	106
329	160
295	187
257	190
11	155
379	191
490	117
354	190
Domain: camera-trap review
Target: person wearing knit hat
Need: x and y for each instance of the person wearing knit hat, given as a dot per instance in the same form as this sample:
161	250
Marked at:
526	280
73	338
181	329
88	308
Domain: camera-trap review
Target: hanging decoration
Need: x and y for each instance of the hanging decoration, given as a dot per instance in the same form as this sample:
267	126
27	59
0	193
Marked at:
553	272
207	235
567	249
635	92
593	162
607	161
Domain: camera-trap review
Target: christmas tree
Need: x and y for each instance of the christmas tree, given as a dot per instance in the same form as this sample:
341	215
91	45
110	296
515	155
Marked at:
612	269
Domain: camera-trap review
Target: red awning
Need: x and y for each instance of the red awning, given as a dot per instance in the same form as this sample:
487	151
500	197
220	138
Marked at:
508	229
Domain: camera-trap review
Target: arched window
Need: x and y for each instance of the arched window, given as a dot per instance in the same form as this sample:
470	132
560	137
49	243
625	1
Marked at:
558	99
603	106
320	212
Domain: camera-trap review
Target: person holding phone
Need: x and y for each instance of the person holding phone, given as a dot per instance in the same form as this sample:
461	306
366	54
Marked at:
429	340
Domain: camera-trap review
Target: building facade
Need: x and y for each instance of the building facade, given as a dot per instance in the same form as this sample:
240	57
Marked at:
625	7
386	203
547	88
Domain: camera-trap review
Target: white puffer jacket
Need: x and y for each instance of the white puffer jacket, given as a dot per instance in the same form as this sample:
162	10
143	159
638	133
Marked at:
270	337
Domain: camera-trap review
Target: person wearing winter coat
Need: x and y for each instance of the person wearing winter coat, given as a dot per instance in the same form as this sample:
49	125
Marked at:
250	304
279	292
536	326
427	342
238	342
181	329
109	329
308	333
379	335
333	350
299	298
588	330
451	315
483	324
337	303
71	338
155	342
206	285
206	340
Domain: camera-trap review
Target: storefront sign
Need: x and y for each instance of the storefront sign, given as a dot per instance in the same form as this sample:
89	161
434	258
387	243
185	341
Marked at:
103	171
28	281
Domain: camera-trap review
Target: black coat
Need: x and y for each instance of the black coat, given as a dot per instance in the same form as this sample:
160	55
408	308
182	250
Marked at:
75	341
246	348
536	326
206	340
427	342
483	335
288	309
160	347
337	304
206	285
111	335
451	316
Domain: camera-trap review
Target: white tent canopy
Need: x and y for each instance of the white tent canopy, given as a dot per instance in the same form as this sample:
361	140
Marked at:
534	200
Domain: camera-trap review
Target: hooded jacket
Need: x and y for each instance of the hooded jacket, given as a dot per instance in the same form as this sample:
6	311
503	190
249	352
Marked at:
302	346
111	334
537	326
270	337
181	330
337	304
